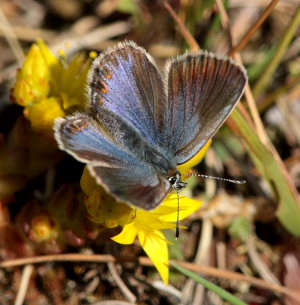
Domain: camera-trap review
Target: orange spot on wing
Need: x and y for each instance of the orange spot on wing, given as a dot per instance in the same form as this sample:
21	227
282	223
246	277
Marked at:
104	88
109	75
77	126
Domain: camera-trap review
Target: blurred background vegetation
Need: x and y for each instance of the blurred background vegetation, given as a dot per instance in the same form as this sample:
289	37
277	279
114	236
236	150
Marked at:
246	236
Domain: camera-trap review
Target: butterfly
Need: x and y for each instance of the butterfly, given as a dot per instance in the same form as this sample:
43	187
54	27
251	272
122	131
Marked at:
140	123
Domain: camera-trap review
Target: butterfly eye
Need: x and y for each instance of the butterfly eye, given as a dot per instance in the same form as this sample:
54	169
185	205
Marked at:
172	180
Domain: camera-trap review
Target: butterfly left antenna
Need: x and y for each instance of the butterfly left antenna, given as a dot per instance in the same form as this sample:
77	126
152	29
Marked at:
178	216
217	178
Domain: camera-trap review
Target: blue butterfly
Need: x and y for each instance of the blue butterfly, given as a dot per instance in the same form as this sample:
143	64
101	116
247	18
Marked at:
140	124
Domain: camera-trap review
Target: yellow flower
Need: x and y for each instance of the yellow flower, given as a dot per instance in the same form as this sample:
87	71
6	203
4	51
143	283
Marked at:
102	207
33	113
147	226
49	87
42	228
33	80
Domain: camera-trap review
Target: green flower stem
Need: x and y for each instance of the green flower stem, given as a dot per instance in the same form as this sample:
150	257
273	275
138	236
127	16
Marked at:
282	47
272	96
209	285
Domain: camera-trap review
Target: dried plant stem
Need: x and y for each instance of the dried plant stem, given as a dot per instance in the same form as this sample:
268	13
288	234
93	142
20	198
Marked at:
114	273
145	261
248	35
184	31
26	274
253	110
260	266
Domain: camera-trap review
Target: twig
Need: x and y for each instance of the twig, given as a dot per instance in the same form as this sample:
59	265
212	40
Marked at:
30	34
260	266
26	274
184	31
225	20
76	43
201	258
99	34
248	35
145	261
127	293
113	302
248	93
11	38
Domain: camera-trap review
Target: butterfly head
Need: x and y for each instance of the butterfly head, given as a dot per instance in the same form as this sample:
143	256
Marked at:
176	182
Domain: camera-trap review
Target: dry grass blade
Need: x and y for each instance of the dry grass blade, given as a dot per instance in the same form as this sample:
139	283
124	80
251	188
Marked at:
274	169
11	38
253	29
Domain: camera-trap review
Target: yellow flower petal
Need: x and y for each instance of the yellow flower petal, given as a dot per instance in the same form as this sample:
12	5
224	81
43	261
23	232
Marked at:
127	236
155	245
104	209
185	167
51	60
187	207
22	94
87	182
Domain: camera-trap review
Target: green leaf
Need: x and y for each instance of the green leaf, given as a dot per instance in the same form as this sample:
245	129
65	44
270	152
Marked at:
272	169
258	68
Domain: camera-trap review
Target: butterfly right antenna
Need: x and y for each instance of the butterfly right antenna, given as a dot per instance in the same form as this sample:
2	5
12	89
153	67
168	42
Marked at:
217	178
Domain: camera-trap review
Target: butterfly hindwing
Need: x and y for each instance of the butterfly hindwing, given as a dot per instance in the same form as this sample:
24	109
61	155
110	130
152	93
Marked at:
81	136
119	159
141	187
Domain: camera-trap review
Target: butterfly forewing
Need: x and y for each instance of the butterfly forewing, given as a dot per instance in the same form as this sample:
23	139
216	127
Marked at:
126	81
